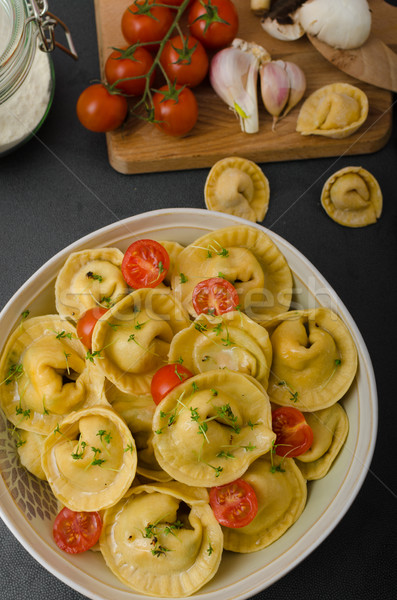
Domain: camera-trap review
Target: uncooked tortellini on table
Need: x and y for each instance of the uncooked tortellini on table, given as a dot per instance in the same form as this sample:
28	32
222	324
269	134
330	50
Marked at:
352	197
314	359
336	110
239	187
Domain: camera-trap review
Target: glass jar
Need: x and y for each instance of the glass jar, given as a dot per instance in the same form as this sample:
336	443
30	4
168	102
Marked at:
27	77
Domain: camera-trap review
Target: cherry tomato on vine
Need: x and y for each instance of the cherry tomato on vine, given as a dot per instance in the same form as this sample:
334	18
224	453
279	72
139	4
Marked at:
86	323
214	296
76	532
234	504
145	264
166	379
214	22
100	110
142	22
184	60
124	63
175	109
293	435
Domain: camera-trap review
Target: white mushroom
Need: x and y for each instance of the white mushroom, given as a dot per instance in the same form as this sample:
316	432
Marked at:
342	24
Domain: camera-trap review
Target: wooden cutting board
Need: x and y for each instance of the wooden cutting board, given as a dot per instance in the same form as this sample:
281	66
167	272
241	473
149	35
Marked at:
139	147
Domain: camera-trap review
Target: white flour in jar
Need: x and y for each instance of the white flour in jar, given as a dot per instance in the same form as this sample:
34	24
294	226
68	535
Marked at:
23	111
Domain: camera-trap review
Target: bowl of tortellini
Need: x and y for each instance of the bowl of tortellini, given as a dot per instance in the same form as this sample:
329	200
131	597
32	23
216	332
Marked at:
81	434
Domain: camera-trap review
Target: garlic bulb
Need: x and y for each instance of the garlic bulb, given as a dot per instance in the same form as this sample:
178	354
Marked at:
234	76
342	24
283	84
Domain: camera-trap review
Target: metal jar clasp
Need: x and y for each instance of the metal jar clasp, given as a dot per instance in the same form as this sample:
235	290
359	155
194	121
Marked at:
46	23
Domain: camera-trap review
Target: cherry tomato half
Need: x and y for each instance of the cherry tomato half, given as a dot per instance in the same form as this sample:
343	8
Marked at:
130	62
175	110
99	110
166	379
293	435
145	264
214	22
214	296
184	60
142	22
86	323
234	504
76	532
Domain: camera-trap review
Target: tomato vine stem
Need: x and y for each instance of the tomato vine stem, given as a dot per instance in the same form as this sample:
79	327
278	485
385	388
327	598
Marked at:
146	98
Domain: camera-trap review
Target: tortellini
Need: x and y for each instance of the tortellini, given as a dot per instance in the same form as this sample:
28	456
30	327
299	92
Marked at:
246	257
232	341
220	419
239	187
89	278
90	459
162	540
30	449
45	374
132	339
281	491
352	197
84	419
314	359
336	111
330	428
173	250
137	411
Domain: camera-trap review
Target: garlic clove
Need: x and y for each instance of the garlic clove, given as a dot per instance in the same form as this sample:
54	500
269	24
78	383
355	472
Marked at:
275	88
234	75
297	85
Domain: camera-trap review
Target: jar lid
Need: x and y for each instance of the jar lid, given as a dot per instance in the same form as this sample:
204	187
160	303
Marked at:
12	22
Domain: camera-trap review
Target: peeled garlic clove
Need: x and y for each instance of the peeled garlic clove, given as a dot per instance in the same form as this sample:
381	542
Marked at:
275	88
297	85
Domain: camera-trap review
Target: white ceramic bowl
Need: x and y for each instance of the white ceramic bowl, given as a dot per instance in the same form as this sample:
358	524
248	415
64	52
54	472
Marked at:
28	507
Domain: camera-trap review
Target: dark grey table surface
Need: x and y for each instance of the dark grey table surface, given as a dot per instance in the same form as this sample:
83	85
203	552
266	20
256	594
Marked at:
60	187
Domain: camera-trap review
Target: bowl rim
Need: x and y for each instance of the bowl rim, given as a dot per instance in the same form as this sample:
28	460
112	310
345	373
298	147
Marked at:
75	578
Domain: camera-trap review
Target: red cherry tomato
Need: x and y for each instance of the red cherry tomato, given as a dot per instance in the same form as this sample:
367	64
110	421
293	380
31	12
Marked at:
213	22
173	3
166	379
184	60
145	264
76	532
86	323
130	62
100	110
142	22
214	296
175	110
234	504
293	435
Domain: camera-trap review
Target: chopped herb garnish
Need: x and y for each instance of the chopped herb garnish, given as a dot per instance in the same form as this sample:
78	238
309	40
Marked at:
92	275
182	278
